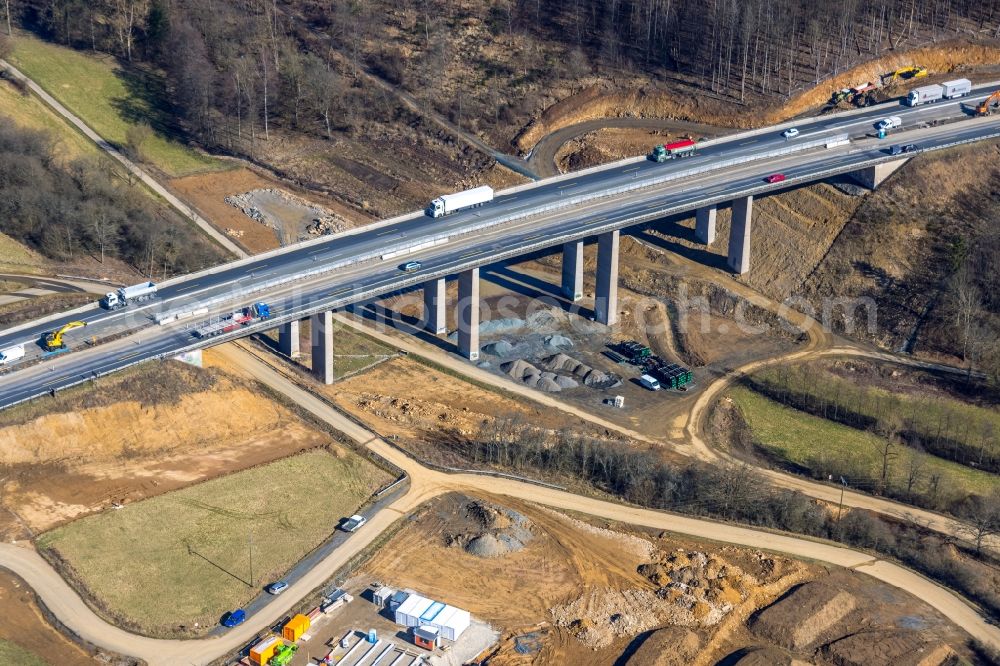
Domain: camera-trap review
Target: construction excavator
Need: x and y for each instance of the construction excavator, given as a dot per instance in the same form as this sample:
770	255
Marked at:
904	74
989	105
54	340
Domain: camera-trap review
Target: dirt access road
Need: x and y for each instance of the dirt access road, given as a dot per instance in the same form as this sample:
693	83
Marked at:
67	606
542	158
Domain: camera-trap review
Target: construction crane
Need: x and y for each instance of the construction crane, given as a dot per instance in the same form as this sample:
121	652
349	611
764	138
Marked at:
904	73
54	340
989	105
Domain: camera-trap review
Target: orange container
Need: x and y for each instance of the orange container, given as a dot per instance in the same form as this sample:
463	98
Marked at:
260	653
295	627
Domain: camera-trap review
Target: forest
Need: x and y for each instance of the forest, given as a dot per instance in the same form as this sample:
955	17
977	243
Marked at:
238	69
86	209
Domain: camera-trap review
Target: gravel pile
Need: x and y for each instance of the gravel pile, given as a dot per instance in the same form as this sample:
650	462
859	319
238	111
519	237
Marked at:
501	531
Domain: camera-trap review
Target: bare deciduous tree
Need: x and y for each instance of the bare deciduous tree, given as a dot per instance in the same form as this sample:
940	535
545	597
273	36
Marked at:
982	518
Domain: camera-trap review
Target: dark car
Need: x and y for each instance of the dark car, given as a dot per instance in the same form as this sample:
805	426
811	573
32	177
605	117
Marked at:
775	178
234	618
899	150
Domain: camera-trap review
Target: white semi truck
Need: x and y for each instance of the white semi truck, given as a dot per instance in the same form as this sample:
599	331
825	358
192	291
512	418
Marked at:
937	92
127	295
446	204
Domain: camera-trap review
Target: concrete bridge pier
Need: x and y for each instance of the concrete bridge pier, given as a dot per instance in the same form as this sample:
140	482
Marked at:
467	315
704	229
739	235
435	301
572	270
873	176
606	294
288	339
321	329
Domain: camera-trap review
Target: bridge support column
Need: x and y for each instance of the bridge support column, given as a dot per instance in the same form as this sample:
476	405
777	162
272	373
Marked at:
468	314
572	270
434	306
321	327
606	295
704	229
739	235
873	176
288	339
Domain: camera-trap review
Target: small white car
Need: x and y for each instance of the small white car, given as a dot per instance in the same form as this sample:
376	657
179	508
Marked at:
790	133
354	523
276	588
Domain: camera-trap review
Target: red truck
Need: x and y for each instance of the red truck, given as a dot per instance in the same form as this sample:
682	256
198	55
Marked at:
669	151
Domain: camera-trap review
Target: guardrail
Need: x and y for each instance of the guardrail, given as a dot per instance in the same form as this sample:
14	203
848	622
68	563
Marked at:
440	239
375	290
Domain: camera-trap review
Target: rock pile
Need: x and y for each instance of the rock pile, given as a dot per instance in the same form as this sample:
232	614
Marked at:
498	531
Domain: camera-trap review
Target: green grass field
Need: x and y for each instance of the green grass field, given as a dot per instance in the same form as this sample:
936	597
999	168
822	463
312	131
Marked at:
929	417
13	655
30	112
183	557
109	98
826	447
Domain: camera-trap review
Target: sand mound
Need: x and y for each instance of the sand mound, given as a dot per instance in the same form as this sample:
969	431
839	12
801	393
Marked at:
532	377
519	369
566	382
558	341
497	531
486	545
589	376
897	647
802	617
670	646
500	348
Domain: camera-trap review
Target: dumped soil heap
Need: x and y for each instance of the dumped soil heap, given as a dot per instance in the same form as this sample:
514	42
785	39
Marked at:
802	617
558	372
286	213
690	590
670	646
499	531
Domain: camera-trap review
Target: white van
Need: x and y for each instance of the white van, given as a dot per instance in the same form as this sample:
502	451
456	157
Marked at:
11	354
650	382
891	122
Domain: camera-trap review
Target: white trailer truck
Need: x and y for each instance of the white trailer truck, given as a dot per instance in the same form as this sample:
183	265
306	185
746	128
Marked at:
446	204
127	295
956	88
11	354
924	95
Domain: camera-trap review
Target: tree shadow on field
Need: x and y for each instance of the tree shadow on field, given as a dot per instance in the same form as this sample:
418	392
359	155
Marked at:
146	101
192	551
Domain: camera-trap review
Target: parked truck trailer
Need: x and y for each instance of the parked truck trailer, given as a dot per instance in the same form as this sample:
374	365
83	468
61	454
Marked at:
128	295
446	204
956	88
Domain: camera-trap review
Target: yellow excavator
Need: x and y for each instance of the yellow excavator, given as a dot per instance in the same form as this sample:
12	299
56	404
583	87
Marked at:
904	73
989	105
54	340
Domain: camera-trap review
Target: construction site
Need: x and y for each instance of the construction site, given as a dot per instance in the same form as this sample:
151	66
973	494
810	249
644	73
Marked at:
741	470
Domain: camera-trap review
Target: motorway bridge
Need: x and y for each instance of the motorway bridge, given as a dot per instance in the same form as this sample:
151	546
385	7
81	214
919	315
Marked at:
313	278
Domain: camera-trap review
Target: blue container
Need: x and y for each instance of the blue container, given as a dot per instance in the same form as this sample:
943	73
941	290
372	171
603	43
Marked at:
372	636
